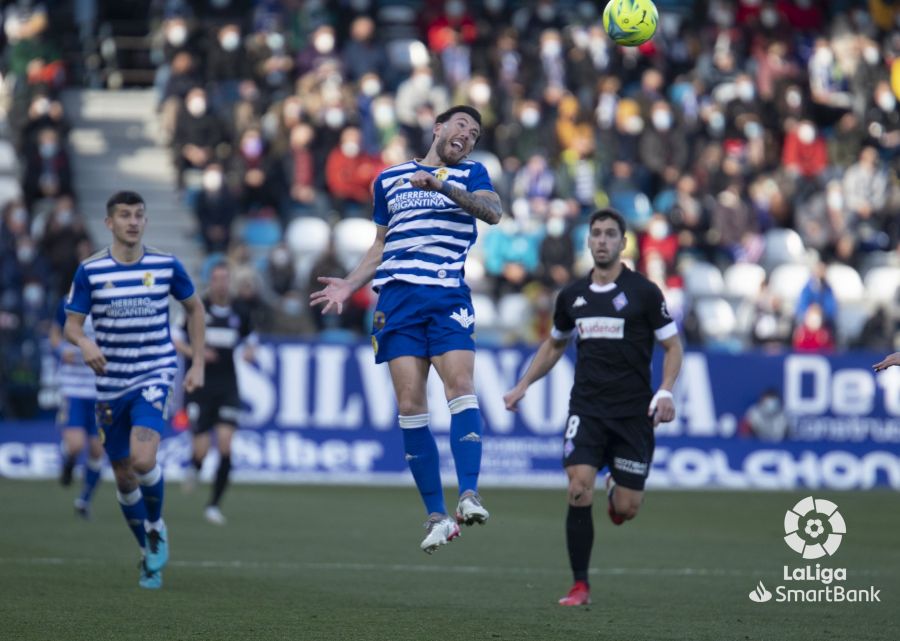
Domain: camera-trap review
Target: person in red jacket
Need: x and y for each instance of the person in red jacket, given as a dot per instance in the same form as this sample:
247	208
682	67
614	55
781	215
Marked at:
812	335
349	174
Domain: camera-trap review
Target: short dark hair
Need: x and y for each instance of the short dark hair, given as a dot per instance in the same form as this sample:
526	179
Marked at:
466	109
123	198
605	214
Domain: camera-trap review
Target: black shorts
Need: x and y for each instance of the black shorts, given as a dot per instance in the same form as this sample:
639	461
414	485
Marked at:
211	406
624	445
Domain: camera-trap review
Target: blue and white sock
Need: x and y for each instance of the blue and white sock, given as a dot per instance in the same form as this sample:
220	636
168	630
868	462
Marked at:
92	470
135	513
466	426
424	463
152	489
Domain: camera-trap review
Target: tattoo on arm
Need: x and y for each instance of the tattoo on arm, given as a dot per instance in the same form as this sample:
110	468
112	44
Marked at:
144	434
482	206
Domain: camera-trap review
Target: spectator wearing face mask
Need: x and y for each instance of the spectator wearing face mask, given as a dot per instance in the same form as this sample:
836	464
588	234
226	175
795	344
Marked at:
805	153
663	148
226	66
59	243
557	251
765	419
817	292
321	48
883	119
48	173
215	208
813	335
349	174
197	133
453	23
260	185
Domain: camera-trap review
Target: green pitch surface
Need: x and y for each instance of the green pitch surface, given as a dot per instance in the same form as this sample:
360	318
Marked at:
304	563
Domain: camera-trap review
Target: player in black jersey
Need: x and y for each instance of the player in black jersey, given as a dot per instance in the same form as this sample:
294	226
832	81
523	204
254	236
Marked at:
615	314
217	406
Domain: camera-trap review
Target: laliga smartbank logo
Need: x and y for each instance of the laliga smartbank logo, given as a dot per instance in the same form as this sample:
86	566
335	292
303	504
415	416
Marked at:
814	528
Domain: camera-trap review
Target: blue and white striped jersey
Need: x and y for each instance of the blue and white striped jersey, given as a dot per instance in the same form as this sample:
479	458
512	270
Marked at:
75	379
130	308
429	236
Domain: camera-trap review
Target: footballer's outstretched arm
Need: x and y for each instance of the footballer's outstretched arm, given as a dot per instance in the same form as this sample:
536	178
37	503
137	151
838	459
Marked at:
548	355
338	290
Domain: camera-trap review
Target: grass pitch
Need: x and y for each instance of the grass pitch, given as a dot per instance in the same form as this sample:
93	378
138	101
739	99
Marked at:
340	563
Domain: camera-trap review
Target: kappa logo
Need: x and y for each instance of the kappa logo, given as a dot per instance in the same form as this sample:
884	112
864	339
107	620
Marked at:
152	393
579	302
471	437
665	311
108	285
463	317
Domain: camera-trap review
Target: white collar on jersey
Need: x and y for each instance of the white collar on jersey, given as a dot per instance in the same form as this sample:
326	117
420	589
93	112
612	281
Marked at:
602	289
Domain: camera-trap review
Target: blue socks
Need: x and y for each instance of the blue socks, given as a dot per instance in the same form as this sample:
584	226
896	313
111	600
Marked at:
152	490
422	457
92	471
135	513
465	440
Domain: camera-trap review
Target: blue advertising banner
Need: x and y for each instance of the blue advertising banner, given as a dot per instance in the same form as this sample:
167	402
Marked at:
324	412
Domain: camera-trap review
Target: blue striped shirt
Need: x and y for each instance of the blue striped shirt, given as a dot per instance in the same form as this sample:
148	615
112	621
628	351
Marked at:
429	235
129	305
74	378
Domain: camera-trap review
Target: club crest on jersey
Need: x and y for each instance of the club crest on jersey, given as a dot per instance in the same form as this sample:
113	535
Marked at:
463	318
579	302
148	279
620	301
442	173
152	393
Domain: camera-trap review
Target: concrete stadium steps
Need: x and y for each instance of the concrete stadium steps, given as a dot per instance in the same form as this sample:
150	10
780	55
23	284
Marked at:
113	144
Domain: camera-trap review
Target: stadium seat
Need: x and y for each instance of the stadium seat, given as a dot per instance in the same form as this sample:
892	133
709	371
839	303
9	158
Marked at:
261	232
787	281
716	318
514	314
783	246
881	285
743	280
849	323
485	312
404	54
702	279
846	283
490	162
9	190
352	239
307	238
8	161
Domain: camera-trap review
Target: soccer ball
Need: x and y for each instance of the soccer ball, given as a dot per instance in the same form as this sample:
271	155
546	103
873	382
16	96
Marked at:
630	22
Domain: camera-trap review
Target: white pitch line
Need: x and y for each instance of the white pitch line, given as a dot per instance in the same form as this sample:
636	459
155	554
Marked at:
401	567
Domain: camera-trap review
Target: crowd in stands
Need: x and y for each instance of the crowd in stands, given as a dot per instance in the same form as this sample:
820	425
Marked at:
747	132
752	146
42	235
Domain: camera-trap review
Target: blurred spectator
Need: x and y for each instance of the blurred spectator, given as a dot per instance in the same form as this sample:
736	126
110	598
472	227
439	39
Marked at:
817	292
60	241
48	172
765	419
226	66
556	251
215	208
812	335
362	53
260	183
349	174
771	327
197	134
